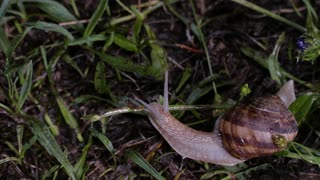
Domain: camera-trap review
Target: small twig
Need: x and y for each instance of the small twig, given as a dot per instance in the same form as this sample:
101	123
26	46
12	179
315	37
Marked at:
69	23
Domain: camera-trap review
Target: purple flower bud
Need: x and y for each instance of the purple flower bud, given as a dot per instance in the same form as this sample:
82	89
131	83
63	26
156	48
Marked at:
302	44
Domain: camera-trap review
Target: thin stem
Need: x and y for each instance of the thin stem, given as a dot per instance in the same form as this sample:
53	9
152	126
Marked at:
201	38
166	93
270	14
123	110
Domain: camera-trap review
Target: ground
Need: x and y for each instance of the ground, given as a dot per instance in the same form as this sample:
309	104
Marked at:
56	84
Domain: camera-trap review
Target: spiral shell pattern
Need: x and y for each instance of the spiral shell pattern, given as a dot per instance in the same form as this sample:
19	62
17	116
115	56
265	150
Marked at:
249	130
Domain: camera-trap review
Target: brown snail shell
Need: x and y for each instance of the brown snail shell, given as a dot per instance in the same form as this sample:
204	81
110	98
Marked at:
249	130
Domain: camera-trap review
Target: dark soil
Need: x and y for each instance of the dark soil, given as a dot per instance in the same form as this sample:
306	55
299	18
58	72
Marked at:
228	26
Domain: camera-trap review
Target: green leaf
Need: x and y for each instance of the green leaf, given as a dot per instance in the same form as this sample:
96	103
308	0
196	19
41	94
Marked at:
185	76
49	172
26	147
7	159
124	64
3	8
270	14
15	42
69	118
26	86
140	161
46	139
12	147
4	42
273	64
100	82
79	168
137	25
158	54
84	98
261	59
105	141
299	151
52	27
102	6
72	63
125	43
55	10
54	129
108	42
185	20
274	68
302	105
197	93
255	55
86	40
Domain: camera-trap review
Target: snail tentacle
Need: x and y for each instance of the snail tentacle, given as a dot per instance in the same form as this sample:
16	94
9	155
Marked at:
286	93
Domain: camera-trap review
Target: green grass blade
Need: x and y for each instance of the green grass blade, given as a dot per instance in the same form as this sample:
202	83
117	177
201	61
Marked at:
20	131
4	42
185	20
140	161
12	147
100	82
300	151
125	43
87	40
260	59
51	171
27	146
69	118
84	98
26	86
52	27
46	139
124	64
6	108
273	64
79	168
108	42
56	10
311	10
197	93
54	129
102	6
3	8
137	25
105	141
302	105
74	7
270	14
274	68
187	73
158	53
15	42
7	159
72	63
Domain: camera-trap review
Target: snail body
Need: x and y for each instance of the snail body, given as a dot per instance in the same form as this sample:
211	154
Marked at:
258	128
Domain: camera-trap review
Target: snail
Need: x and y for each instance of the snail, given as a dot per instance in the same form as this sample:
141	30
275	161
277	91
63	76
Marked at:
258	128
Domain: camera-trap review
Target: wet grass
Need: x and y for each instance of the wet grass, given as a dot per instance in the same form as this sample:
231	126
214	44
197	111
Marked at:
70	71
